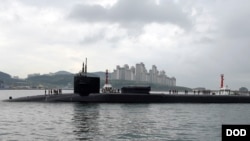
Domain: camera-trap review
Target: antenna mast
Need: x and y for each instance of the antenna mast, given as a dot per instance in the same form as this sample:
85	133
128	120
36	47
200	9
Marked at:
86	67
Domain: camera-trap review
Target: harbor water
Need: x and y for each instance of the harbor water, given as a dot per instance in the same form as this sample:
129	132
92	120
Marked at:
30	121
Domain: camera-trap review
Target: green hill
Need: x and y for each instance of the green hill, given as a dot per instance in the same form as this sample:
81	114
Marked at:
4	75
51	81
62	79
5	79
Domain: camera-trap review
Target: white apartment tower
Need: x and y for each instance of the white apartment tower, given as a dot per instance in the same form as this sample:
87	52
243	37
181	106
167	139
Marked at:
140	74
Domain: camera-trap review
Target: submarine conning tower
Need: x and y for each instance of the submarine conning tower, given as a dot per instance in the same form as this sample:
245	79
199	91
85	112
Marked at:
85	83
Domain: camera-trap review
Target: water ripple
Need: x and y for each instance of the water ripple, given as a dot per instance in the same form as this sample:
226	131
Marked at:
139	122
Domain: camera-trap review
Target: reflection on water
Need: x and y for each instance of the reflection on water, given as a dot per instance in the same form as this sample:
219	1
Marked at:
84	119
117	121
153	121
76	121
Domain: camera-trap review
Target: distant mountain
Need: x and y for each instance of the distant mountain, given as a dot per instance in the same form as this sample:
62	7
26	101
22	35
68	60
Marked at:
62	79
51	81
101	74
58	79
4	75
63	73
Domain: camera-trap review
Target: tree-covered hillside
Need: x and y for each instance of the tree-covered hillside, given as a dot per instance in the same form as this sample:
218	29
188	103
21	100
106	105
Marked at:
51	81
5	79
63	79
4	75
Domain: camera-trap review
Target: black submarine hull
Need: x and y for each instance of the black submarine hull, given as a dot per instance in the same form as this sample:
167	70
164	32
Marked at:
135	98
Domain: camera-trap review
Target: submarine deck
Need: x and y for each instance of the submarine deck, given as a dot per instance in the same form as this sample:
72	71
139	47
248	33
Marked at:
134	98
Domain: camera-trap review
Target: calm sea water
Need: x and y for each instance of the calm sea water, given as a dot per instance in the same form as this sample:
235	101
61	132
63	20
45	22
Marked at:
78	121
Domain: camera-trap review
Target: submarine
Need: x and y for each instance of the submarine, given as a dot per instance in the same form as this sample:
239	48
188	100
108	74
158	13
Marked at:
87	90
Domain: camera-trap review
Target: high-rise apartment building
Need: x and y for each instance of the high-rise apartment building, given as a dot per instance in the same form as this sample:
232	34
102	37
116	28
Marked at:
139	73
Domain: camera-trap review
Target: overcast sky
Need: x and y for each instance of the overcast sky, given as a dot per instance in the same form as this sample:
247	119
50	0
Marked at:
192	40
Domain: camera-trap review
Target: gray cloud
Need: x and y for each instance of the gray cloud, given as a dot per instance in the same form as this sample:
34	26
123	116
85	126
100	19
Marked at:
133	12
195	41
48	3
233	19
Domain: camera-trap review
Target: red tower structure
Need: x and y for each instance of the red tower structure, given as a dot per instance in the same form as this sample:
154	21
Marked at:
221	80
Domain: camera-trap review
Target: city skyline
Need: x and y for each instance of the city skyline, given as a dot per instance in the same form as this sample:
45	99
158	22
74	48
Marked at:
139	73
